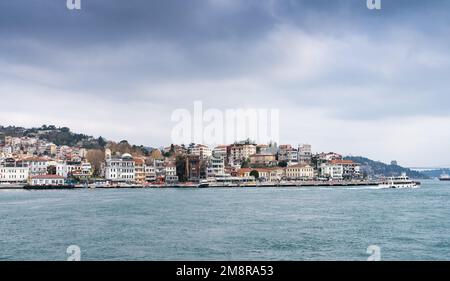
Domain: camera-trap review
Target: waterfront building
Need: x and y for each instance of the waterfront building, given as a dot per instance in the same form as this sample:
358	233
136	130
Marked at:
45	180
264	174
350	169
139	170
299	172
171	173
150	174
120	169
245	172
14	174
332	171
276	174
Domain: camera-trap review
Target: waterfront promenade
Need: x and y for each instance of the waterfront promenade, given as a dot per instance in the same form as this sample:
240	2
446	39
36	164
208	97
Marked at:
203	185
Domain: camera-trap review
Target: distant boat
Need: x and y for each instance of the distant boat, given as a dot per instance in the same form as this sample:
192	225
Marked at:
444	177
399	182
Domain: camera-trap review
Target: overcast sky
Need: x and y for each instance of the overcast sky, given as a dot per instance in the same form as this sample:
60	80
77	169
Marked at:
345	78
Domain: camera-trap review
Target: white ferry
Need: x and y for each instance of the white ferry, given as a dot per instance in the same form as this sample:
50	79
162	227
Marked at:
444	177
402	181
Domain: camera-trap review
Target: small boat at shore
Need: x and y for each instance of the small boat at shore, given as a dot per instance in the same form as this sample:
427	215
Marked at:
402	181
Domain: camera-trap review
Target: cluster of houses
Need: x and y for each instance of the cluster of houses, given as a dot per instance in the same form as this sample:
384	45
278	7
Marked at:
225	163
38	162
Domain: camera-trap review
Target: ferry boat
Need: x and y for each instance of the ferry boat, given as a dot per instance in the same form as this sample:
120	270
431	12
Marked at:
402	181
11	186
444	177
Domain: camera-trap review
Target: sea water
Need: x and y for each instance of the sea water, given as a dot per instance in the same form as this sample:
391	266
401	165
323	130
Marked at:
227	224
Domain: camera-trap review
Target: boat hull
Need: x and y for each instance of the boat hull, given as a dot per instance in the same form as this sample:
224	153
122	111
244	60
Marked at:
399	186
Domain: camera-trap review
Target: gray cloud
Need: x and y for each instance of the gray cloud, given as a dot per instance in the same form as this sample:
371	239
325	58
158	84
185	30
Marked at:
335	60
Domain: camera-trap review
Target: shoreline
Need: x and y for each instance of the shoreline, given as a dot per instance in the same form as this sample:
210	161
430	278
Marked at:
197	186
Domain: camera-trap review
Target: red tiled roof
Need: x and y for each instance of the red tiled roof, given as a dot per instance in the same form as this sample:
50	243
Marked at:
47	177
36	159
348	162
298	166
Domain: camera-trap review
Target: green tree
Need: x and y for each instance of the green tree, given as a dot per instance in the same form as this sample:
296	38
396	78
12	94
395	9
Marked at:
245	164
51	170
254	174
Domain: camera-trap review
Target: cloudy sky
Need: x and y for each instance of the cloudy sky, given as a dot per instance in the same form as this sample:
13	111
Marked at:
345	78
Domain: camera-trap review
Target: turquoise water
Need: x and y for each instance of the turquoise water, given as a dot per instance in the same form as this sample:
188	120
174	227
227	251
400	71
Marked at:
227	224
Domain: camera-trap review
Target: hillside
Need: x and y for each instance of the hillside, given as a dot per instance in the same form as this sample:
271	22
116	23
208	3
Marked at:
376	168
436	173
56	135
64	136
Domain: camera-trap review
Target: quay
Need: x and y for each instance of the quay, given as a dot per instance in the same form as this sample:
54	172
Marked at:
196	185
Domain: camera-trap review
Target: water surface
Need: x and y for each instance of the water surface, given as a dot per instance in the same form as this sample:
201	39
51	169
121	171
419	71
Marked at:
227	224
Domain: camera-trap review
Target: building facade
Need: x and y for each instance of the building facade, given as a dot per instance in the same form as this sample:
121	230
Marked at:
14	174
121	169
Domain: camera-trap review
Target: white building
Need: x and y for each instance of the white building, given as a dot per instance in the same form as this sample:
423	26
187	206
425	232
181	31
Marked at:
304	153
120	168
171	173
64	169
14	174
220	151
292	156
38	166
46	180
238	152
201	150
150	174
216	167
332	171
350	169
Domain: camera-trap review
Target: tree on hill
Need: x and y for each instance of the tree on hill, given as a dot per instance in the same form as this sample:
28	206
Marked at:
376	168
